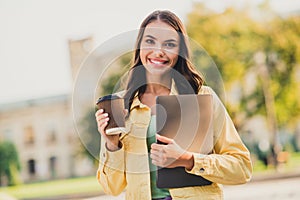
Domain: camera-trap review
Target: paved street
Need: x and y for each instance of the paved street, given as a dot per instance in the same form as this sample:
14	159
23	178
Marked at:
279	189
283	189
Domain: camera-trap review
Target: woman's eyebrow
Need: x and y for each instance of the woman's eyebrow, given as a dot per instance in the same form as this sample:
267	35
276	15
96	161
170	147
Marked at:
169	40
150	36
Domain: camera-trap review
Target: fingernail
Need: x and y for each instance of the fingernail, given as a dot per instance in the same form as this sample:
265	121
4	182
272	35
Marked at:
106	115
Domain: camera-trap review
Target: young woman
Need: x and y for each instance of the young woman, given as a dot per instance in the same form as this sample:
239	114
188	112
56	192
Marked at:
161	54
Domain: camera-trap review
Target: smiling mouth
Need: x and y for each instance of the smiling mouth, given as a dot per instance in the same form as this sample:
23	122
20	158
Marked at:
158	62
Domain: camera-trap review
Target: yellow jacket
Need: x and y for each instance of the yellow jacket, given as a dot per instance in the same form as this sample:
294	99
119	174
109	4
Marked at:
129	168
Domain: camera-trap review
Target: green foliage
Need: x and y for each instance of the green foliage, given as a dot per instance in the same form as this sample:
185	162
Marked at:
113	81
233	37
9	163
90	137
111	84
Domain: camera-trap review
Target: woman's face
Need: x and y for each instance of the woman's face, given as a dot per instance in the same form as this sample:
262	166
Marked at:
159	47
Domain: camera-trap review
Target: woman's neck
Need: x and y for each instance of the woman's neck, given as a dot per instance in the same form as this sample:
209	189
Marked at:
158	85
157	89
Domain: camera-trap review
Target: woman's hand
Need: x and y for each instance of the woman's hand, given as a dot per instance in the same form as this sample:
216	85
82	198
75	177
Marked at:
112	141
170	154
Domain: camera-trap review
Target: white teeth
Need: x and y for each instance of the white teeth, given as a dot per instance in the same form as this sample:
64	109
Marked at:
157	62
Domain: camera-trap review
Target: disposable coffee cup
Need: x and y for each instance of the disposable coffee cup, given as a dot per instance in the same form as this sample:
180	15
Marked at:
114	106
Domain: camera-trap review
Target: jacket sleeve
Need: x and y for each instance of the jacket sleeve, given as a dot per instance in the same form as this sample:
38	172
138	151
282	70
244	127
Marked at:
111	171
230	161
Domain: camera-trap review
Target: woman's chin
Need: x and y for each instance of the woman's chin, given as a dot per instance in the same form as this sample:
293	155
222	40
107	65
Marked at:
158	71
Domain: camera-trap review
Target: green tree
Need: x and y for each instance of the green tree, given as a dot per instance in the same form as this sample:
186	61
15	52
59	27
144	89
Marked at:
9	163
90	137
113	81
232	38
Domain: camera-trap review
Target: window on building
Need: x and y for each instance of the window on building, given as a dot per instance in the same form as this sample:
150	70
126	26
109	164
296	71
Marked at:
52	166
52	137
29	135
31	167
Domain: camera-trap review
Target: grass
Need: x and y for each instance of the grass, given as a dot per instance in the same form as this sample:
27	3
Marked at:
293	163
54	188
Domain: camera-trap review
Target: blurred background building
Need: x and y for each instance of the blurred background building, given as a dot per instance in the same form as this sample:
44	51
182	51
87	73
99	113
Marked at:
43	130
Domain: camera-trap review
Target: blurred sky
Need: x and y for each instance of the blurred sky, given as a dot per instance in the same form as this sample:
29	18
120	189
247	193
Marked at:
34	55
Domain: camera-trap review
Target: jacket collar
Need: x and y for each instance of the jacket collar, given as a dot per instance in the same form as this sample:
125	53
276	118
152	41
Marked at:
136	101
174	90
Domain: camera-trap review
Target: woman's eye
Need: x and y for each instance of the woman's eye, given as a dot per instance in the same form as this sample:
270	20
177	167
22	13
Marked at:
170	45
149	41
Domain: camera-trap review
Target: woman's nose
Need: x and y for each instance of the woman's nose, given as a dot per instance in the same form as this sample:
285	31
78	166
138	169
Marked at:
159	51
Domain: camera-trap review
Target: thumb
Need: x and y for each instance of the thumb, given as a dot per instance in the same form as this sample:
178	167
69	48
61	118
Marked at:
125	112
164	139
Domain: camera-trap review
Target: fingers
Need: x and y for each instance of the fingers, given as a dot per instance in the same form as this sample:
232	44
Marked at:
166	155
164	139
125	111
102	120
158	155
156	147
99	112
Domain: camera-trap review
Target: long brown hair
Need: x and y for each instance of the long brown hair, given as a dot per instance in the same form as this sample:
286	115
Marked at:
187	79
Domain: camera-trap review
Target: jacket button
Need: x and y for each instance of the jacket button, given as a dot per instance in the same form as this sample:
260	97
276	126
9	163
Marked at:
103	154
201	170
